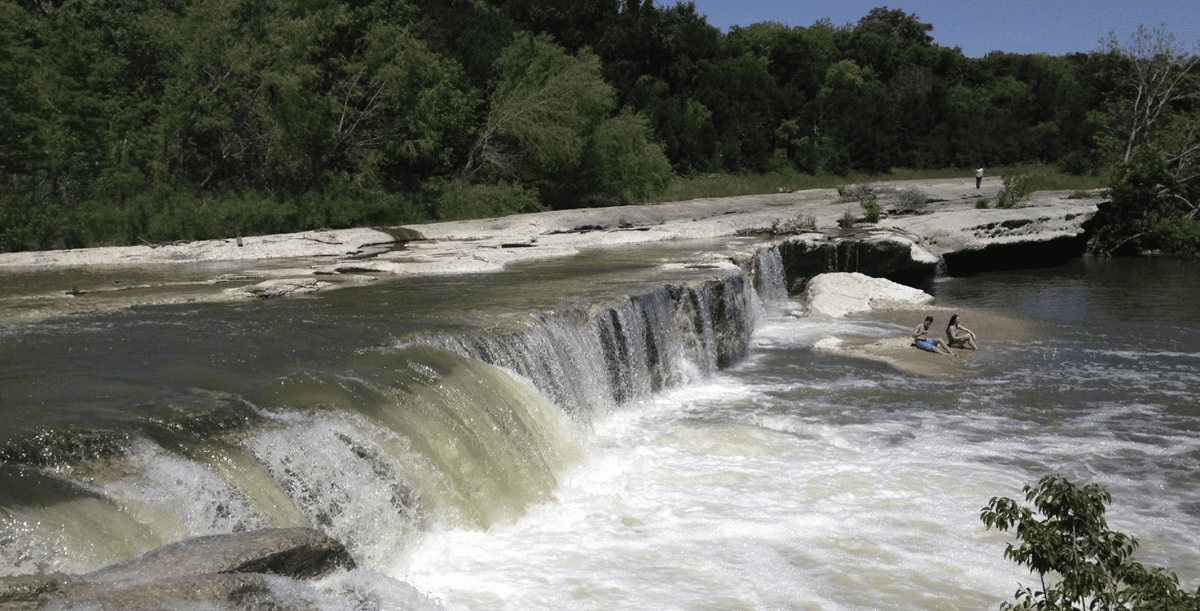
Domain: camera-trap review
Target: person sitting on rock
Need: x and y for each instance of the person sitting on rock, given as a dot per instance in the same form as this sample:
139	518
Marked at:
959	336
922	340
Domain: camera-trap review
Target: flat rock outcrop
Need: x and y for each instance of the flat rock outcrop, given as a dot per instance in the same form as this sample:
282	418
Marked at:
1049	230
910	242
329	243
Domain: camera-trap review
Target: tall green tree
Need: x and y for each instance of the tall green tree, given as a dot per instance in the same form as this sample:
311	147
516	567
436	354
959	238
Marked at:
1159	77
551	126
19	125
657	60
850	102
682	123
402	112
281	97
1152	129
471	32
545	104
573	24
621	162
66	108
743	99
22	152
886	39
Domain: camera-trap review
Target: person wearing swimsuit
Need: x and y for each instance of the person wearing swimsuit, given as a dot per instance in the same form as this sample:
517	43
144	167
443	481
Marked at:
922	340
959	336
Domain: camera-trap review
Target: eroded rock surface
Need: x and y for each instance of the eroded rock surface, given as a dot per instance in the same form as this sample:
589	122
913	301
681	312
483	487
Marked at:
1047	231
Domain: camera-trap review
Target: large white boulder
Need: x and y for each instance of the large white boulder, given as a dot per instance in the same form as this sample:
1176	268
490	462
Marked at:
836	295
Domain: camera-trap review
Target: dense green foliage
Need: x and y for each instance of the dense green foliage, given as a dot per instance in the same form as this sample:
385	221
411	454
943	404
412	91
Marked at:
127	121
1081	564
1151	125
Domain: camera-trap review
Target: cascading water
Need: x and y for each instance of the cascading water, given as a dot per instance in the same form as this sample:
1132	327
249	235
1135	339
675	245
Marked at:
466	428
582	441
769	276
804	480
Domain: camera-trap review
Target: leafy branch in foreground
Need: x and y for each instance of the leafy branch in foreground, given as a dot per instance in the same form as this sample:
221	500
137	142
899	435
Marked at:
1081	564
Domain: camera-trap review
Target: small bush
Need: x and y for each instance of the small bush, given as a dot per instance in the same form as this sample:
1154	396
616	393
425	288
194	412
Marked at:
981	203
799	224
624	165
872	210
848	220
1016	190
855	192
1080	194
911	199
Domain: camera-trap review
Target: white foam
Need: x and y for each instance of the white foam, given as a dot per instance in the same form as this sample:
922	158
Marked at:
739	494
680	512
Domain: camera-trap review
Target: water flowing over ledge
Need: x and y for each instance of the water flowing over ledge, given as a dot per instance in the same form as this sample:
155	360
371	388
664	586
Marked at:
794	477
438	428
421	424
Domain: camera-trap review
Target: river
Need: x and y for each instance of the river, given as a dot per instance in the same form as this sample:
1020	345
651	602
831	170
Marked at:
609	460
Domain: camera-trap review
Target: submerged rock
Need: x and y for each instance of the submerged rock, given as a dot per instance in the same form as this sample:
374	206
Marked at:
224	571
29	591
220	591
282	287
300	553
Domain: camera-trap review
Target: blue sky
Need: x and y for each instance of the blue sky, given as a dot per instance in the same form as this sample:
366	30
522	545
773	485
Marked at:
1055	27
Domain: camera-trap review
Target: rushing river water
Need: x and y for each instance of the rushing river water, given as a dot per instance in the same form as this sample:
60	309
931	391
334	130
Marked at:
611	461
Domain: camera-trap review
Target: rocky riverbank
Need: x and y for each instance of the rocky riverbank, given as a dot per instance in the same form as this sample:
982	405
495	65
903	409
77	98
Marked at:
909	241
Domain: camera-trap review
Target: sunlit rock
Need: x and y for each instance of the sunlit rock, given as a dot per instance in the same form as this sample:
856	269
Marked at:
840	294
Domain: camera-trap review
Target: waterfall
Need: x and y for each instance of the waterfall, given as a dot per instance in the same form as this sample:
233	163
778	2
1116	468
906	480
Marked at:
940	270
769	277
590	359
462	428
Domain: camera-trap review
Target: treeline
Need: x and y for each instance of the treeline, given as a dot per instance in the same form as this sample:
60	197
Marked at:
128	121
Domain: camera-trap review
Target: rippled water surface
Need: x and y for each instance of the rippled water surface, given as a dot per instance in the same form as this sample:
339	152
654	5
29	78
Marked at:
800	480
796	479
